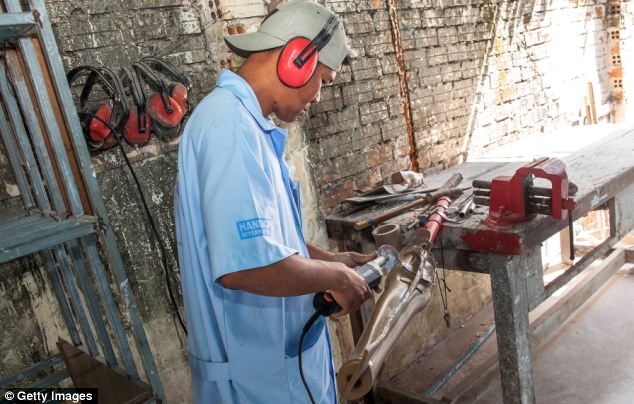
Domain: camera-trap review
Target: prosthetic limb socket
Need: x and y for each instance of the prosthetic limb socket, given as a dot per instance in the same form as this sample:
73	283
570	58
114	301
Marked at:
406	292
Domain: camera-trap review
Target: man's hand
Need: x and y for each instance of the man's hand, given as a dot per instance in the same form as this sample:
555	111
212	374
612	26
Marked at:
353	259
352	293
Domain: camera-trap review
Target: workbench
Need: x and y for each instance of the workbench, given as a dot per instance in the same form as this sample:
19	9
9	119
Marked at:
602	169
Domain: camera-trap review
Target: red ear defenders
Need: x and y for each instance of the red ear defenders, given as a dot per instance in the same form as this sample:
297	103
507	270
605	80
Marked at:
181	86
136	129
121	107
165	112
95	132
298	60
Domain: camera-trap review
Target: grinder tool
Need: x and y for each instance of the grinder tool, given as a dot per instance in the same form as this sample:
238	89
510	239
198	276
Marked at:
372	272
325	305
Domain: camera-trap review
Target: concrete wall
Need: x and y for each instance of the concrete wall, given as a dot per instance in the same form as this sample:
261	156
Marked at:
479	73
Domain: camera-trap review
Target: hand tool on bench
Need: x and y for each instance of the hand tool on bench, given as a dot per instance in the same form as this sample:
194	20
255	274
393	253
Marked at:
515	199
447	189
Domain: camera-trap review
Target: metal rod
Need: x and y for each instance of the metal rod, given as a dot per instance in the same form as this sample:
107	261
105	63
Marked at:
539	208
13	154
23	140
46	109
35	131
483	186
79	270
574	270
61	297
534	198
75	299
461	361
30	371
571	234
21	20
94	264
50	380
466	206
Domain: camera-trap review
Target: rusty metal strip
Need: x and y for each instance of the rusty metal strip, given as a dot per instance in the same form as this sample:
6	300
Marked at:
402	78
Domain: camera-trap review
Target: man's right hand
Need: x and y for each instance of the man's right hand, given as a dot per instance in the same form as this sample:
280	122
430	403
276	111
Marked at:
352	293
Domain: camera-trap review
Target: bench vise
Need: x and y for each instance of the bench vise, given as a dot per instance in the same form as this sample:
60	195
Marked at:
514	199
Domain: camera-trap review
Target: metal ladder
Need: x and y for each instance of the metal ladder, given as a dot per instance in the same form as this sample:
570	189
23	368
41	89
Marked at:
65	211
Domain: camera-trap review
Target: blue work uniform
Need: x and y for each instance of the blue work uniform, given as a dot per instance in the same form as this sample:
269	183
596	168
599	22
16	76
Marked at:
236	209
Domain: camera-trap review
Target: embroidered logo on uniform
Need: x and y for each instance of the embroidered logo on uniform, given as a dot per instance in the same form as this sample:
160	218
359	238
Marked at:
256	227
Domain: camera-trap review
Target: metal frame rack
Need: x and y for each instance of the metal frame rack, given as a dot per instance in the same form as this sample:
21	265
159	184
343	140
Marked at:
66	214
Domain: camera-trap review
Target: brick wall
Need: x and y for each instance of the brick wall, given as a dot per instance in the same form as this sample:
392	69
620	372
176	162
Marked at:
357	131
480	73
116	33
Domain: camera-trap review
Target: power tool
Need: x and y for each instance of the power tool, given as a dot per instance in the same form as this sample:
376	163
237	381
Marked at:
325	305
372	272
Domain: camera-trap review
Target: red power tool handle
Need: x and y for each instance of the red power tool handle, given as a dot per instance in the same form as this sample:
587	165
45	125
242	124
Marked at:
434	223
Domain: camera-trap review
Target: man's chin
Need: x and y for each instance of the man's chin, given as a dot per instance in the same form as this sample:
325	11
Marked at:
291	117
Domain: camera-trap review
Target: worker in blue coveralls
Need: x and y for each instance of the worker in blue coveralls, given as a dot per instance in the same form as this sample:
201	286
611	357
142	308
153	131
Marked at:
248	274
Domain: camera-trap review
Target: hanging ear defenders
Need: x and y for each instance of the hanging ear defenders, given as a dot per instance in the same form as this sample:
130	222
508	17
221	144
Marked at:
180	88
298	60
95	132
136	129
120	109
165	112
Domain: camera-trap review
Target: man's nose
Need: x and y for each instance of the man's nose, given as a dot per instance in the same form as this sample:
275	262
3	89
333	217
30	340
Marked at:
317	98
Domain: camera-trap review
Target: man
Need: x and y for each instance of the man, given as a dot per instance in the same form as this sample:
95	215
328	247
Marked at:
248	275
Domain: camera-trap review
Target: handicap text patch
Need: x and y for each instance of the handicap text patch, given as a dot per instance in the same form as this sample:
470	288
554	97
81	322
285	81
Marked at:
256	227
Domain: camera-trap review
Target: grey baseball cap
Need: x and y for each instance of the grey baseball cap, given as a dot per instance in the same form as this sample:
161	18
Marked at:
295	18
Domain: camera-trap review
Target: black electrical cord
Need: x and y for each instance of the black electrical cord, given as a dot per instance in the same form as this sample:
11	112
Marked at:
147	212
307	327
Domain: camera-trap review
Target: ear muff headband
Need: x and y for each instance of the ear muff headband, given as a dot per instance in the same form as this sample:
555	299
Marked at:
318	43
171	70
121	106
298	60
137	127
94	131
94	77
166	113
117	84
180	88
156	83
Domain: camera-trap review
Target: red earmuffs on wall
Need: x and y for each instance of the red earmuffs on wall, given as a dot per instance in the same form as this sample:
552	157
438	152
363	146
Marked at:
137	127
298	60
98	136
166	113
180	88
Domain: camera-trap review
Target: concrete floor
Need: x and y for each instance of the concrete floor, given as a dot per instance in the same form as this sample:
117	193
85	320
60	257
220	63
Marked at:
590	358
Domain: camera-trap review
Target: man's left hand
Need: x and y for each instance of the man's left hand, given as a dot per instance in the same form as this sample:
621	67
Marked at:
353	259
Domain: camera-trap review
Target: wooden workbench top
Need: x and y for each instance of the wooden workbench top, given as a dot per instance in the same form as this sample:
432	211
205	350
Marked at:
599	160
